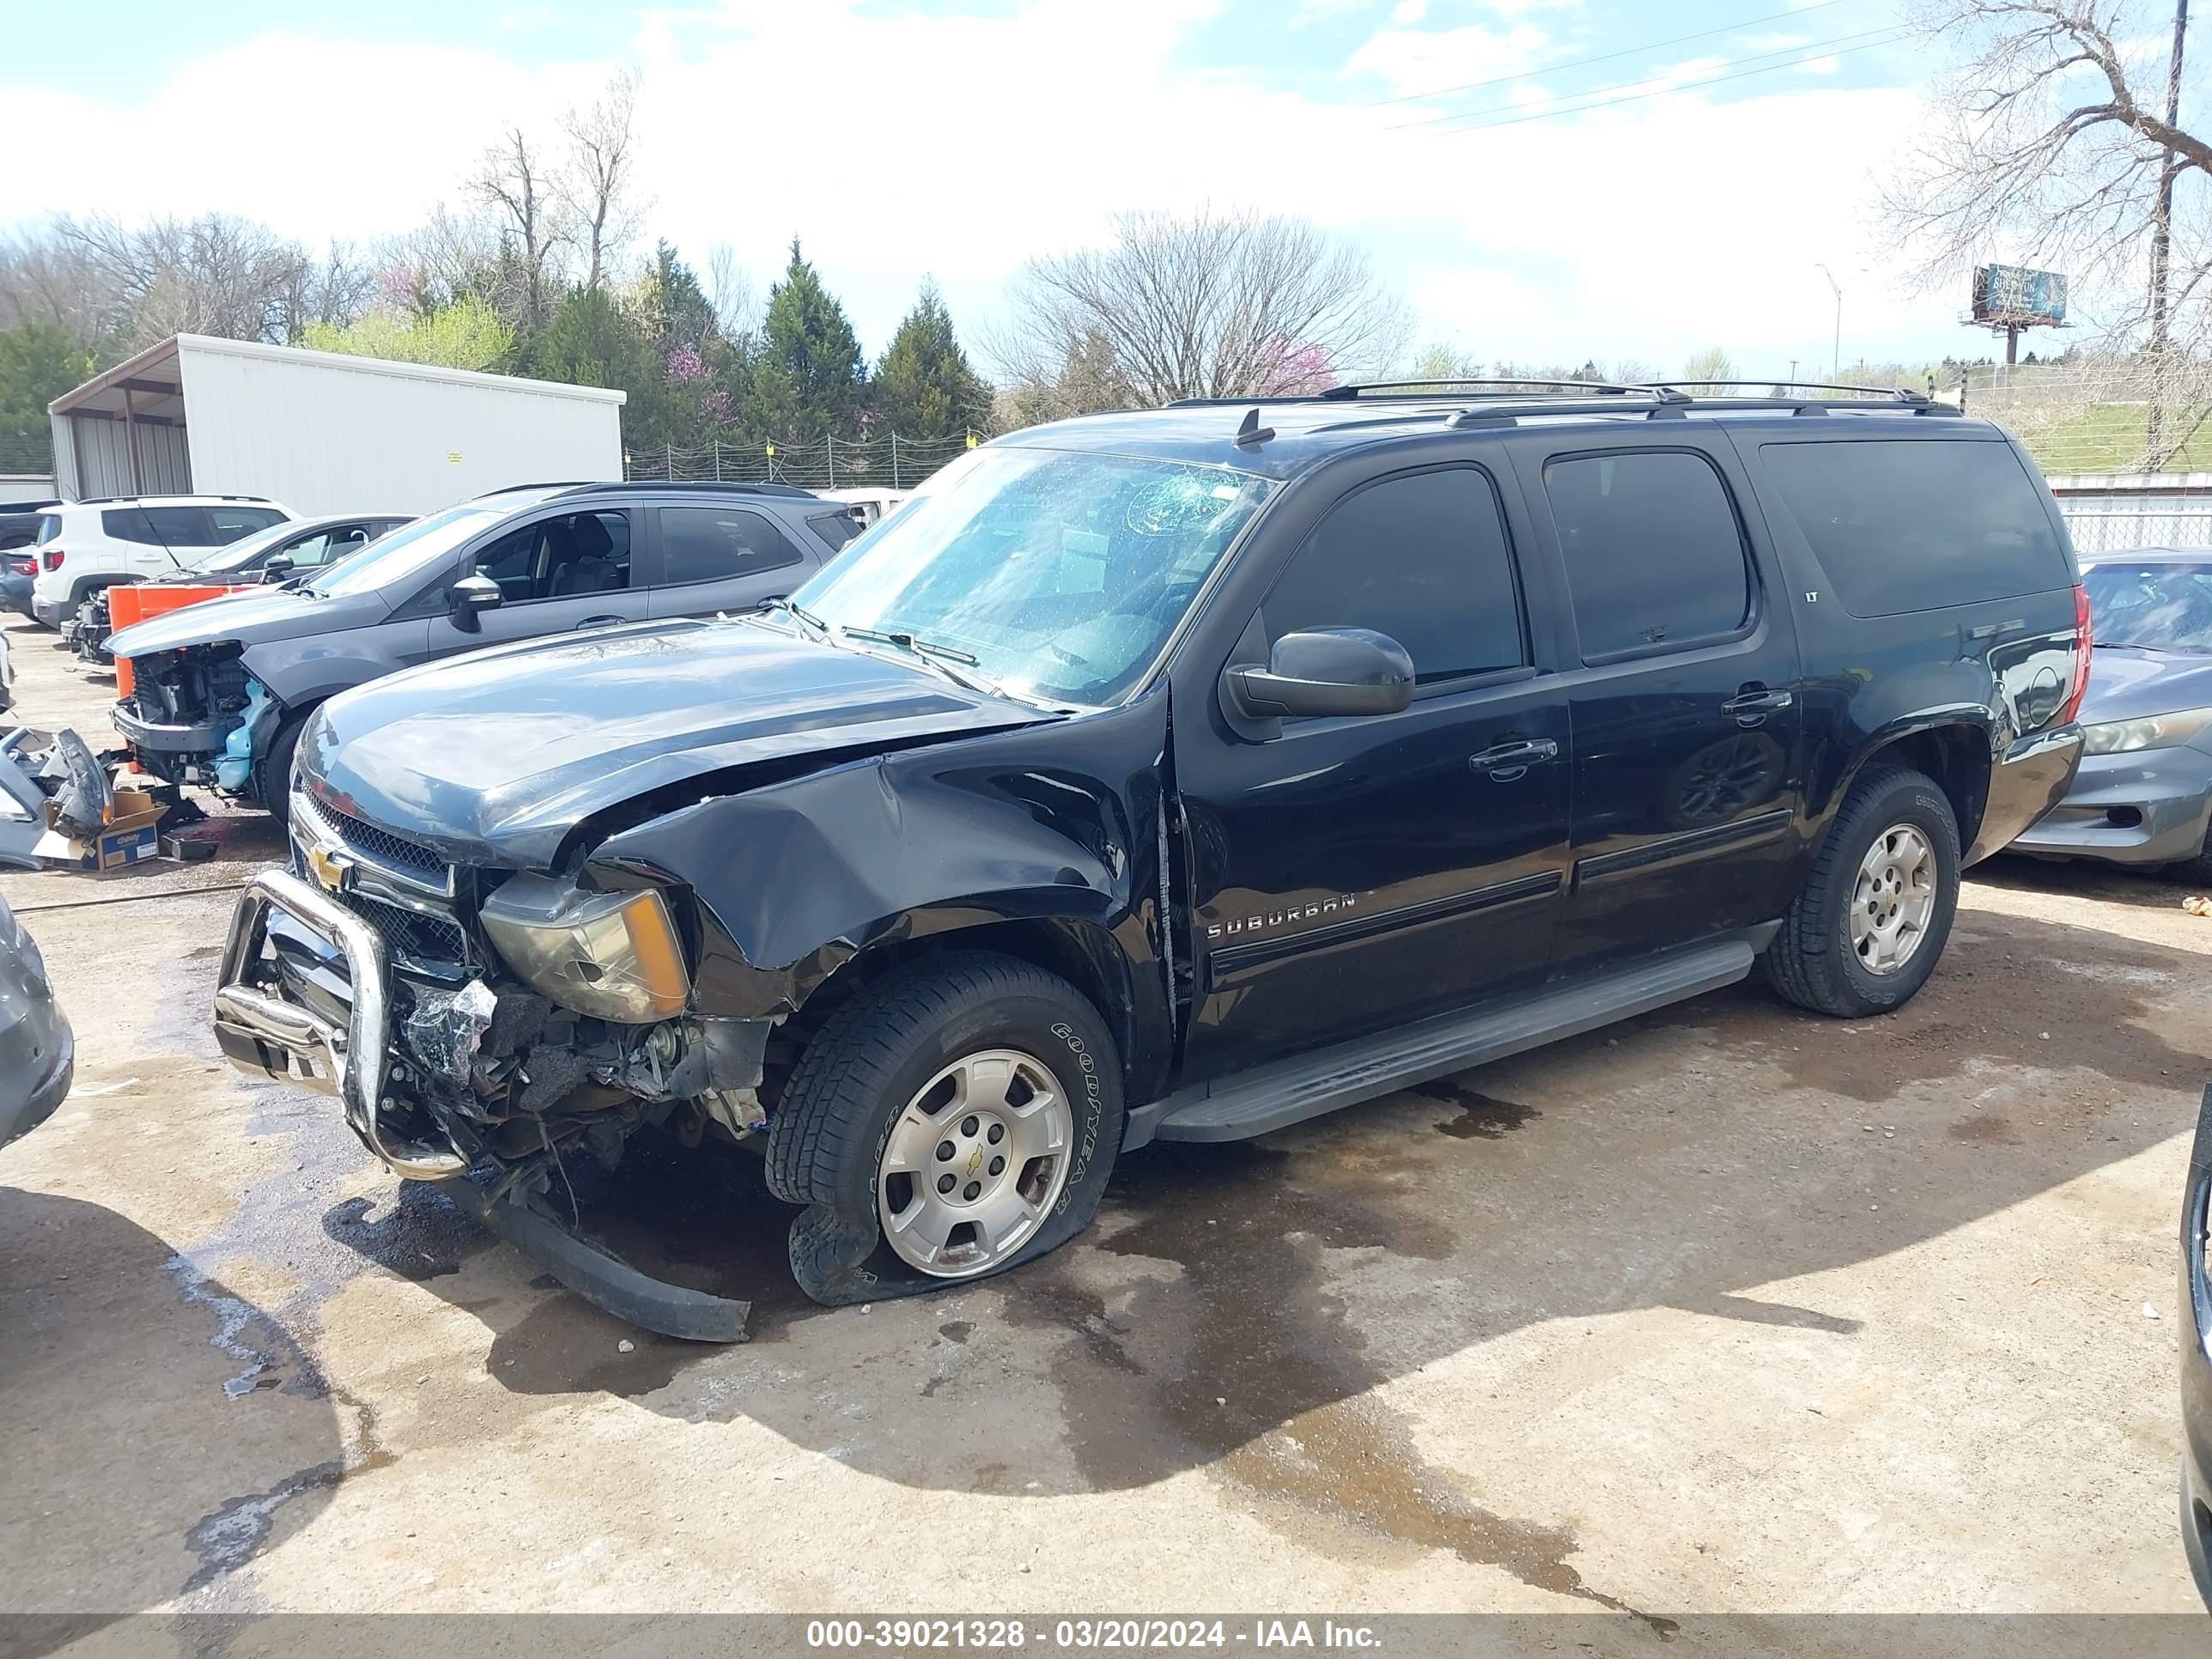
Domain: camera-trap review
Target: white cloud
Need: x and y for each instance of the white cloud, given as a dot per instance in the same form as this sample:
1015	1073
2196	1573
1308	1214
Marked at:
1408	12
1414	60
974	143
1827	65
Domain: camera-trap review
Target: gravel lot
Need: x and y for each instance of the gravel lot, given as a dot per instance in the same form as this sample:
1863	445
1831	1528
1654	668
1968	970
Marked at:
1727	1309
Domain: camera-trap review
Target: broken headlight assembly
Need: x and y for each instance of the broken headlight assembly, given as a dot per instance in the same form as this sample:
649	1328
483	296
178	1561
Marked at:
614	956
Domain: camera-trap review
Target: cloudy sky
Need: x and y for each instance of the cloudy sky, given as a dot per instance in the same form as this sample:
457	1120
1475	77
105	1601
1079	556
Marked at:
1543	177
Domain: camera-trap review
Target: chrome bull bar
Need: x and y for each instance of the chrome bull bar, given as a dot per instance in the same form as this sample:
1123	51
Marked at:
265	1035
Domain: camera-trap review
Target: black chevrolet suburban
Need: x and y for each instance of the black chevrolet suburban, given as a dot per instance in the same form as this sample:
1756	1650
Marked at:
1169	776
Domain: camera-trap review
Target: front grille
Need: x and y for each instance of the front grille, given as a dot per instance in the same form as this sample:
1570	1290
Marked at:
393	852
412	937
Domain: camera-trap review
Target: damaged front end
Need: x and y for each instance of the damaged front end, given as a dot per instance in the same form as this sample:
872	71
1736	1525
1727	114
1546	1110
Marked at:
487	1030
195	715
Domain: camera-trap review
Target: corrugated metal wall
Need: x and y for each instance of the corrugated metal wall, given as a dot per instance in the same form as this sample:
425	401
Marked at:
101	459
335	434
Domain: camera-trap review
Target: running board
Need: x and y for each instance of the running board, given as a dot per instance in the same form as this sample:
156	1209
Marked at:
1276	1096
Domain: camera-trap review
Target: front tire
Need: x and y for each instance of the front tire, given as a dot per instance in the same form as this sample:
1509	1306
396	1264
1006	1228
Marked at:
1868	927
1006	1065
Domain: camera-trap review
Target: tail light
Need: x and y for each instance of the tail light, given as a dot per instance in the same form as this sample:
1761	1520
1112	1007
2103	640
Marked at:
2082	642
53	558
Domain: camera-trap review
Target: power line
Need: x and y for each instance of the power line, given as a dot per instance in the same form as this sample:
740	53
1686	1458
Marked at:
1806	50
1607	57
1812	56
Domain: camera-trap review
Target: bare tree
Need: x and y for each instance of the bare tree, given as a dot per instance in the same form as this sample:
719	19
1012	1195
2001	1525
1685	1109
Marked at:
1087	379
737	302
1713	363
47	278
598	178
217	274
514	184
2057	143
1208	304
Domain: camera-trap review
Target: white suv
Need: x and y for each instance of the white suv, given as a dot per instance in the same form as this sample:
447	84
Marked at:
83	546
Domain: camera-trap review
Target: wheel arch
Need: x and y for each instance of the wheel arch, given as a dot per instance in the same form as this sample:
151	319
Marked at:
1952	749
1079	950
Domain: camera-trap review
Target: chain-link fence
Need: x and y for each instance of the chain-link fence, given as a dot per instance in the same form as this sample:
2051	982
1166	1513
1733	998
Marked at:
884	460
2101	416
2106	526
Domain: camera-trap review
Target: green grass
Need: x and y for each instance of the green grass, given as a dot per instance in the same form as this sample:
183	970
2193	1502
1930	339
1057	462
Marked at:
2109	437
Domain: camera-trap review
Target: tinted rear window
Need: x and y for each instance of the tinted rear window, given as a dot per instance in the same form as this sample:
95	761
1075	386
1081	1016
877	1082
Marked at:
1655	559
1902	526
836	528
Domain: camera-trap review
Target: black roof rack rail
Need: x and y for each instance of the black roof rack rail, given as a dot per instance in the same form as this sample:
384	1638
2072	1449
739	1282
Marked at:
156	495
1443	388
1668	403
1901	394
549	483
709	486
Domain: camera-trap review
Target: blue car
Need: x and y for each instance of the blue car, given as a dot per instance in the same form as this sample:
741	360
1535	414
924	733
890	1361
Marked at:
2144	795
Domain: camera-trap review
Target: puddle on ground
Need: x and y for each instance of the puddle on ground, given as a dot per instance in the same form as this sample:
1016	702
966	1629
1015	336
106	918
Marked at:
1482	1117
703	1220
1250	1363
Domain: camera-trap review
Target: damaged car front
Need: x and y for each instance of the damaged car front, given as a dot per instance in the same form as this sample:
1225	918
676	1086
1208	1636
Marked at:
547	894
217	694
507	986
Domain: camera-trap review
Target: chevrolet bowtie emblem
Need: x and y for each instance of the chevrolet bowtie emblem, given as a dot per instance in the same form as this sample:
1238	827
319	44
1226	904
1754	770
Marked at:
333	870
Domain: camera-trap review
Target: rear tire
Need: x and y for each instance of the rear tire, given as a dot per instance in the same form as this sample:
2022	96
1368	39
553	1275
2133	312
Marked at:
945	1052
1865	931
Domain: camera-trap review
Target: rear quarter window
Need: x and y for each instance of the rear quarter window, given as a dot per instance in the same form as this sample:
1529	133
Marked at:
1900	525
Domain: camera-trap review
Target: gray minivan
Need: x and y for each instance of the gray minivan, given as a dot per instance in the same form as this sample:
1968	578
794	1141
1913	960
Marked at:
217	693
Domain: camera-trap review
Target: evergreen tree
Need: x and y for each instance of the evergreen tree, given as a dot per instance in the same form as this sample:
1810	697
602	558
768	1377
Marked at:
39	361
809	377
923	387
589	341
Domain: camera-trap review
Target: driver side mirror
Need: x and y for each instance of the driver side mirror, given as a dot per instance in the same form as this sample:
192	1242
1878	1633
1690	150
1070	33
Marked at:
277	568
1325	672
470	598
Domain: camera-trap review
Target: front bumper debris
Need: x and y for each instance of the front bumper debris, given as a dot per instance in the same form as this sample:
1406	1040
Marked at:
263	1033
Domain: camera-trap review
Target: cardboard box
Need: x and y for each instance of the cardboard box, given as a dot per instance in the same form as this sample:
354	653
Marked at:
131	836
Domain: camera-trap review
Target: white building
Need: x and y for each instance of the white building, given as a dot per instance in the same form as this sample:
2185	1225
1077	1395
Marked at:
323	433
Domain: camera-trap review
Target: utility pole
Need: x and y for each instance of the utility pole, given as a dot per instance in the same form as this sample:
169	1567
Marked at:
2161	243
1836	362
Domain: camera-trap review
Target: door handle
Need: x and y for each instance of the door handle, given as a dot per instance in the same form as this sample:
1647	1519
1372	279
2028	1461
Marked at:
596	622
1508	761
1752	707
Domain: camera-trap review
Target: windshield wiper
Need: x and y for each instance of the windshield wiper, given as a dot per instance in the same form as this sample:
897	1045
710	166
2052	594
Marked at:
939	657
800	611
907	642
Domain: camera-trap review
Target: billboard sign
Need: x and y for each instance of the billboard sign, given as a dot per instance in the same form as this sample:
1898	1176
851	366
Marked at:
2015	295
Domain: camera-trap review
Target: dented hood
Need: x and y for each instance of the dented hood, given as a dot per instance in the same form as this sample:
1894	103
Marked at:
494	756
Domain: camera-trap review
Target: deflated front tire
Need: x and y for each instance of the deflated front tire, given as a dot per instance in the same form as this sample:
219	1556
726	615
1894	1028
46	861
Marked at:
955	1119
